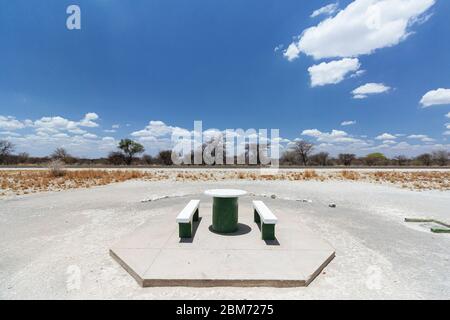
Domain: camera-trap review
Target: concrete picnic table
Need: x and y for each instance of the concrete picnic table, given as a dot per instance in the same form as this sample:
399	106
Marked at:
225	209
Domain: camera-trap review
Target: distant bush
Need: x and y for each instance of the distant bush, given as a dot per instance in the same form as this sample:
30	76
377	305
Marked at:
57	168
116	158
375	159
165	157
440	157
346	158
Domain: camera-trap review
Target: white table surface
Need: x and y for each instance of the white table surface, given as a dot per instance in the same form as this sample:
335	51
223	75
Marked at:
225	193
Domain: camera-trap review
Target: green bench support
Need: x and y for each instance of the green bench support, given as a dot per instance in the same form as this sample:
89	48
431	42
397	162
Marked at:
187	217
266	218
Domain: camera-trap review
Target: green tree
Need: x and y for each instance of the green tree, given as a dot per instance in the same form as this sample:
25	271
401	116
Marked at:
130	148
376	158
165	157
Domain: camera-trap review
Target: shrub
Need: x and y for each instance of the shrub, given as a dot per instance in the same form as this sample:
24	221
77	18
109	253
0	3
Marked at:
56	168
116	158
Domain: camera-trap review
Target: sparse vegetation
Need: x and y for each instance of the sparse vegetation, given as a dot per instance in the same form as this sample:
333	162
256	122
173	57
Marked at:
130	148
56	168
303	150
32	181
6	149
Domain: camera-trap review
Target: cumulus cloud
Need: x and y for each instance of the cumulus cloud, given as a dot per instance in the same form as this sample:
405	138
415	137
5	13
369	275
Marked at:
326	10
58	123
361	28
364	91
42	136
421	137
11	123
348	123
447	115
89	120
292	52
157	129
436	97
335	136
332	72
386	136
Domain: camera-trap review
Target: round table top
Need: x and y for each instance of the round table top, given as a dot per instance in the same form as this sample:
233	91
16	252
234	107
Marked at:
225	193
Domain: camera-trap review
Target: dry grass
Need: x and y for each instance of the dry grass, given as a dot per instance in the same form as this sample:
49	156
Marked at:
32	181
420	180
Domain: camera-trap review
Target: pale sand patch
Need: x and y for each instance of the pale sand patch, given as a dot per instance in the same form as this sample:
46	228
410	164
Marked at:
46	235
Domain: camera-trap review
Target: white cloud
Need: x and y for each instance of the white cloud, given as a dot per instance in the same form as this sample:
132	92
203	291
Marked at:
10	123
368	89
348	123
335	136
291	52
9	133
448	115
421	137
115	126
326	10
155	129
278	48
89	120
358	73
90	136
361	28
332	72
43	135
436	97
386	136
57	123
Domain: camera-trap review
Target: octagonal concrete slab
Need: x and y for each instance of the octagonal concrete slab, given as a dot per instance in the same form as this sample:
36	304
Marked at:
155	256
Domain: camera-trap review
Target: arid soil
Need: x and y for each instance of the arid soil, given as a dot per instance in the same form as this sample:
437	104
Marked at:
20	182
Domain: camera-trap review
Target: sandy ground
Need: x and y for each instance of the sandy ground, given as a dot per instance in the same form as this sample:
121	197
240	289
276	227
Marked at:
55	245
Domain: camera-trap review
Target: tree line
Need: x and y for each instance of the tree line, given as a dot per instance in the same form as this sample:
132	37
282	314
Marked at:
130	152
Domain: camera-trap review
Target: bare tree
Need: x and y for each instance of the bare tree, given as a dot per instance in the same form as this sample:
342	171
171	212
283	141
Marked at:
303	149
289	158
425	159
401	160
320	158
346	158
440	157
147	159
60	154
6	148
116	158
23	157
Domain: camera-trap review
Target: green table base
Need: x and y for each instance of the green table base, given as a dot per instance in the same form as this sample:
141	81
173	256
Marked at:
225	214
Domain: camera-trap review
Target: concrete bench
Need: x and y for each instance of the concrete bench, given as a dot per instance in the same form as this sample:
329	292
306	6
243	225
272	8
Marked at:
267	219
186	217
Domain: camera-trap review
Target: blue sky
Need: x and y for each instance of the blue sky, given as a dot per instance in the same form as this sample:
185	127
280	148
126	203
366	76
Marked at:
145	68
